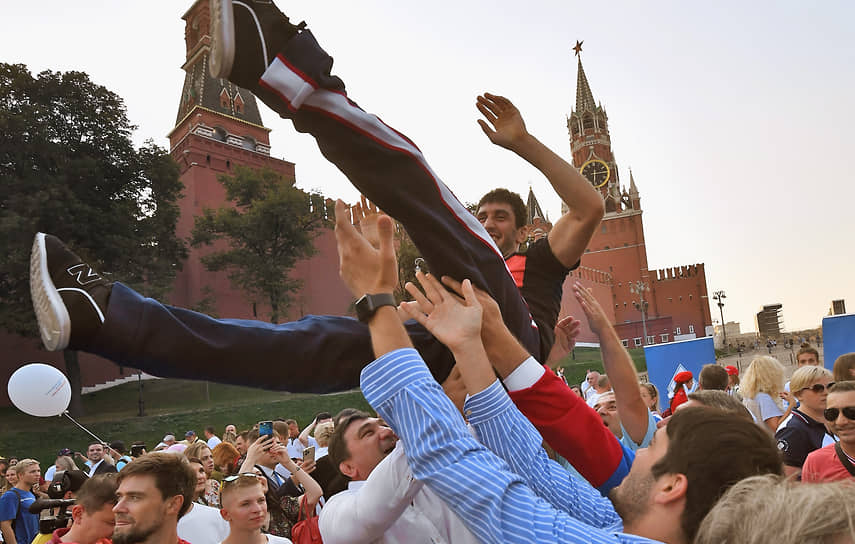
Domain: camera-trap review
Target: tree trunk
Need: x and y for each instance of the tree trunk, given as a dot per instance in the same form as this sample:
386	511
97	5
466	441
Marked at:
72	370
274	312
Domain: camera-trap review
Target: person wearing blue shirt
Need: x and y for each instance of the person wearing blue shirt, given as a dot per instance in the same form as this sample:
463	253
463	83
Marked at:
533	499
17	524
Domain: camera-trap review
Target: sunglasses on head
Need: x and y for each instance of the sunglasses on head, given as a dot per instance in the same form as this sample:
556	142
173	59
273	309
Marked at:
818	387
831	414
229	479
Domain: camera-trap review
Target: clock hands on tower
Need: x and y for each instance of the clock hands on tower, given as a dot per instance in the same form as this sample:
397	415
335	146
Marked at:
597	172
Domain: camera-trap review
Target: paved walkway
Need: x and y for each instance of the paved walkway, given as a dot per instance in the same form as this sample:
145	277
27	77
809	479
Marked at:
786	356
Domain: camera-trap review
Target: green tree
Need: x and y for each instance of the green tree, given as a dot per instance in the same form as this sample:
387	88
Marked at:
269	227
408	255
68	167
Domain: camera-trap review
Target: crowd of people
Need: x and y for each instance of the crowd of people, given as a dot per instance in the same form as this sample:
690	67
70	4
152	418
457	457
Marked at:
472	439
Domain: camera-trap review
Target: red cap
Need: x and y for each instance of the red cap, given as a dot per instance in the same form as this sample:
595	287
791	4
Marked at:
732	370
683	377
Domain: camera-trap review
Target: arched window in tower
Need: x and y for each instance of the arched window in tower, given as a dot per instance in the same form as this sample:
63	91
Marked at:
248	143
238	103
588	121
225	99
220	134
574	127
601	122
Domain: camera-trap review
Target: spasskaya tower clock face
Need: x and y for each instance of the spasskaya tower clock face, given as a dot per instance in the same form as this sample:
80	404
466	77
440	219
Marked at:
597	172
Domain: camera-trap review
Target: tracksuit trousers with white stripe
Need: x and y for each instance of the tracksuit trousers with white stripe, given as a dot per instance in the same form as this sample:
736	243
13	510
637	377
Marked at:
322	353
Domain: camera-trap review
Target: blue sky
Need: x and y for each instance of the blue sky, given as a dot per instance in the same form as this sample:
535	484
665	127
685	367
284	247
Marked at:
734	116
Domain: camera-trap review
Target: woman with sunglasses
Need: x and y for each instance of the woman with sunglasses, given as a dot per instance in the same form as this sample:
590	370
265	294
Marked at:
836	461
804	430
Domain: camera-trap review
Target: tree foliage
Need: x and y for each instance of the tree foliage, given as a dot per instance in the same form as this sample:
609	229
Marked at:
270	226
408	258
68	167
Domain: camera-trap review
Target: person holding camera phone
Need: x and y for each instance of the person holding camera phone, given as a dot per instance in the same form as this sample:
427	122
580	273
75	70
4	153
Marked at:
284	497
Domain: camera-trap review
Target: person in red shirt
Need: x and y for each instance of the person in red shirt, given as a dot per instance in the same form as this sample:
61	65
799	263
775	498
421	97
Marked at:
827	464
683	380
92	515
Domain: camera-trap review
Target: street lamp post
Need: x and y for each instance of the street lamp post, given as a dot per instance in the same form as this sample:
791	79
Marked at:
640	287
719	297
140	401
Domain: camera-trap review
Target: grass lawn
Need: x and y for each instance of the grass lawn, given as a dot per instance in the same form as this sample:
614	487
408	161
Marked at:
589	358
176	406
171	406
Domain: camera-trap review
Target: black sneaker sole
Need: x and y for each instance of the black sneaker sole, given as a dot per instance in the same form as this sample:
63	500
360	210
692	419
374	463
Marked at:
222	38
51	313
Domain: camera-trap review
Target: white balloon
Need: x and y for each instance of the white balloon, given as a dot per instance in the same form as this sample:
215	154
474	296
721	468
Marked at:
39	390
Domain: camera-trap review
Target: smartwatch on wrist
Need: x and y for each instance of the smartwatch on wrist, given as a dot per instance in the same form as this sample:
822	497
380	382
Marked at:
367	305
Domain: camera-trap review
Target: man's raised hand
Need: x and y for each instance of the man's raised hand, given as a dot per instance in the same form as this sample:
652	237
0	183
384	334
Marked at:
453	321
566	331
506	127
365	217
597	319
363	267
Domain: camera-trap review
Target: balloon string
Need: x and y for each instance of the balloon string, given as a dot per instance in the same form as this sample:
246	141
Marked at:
65	413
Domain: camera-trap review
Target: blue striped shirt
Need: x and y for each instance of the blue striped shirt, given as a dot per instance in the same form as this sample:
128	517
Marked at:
494	502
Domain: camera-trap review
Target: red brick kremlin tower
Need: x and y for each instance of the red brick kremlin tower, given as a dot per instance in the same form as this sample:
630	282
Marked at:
218	127
675	298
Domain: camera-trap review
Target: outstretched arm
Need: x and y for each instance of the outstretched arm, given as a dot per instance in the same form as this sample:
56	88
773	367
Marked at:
619	367
304	435
566	422
566	331
491	500
499	424
504	126
367	269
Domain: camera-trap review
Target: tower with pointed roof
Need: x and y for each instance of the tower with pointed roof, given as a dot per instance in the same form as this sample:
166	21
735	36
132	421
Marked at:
218	127
589	134
676	297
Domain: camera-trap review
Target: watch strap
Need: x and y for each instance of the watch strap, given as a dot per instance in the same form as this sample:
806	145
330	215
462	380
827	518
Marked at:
368	305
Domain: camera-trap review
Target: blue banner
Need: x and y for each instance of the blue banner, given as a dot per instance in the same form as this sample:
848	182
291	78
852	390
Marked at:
664	361
838	337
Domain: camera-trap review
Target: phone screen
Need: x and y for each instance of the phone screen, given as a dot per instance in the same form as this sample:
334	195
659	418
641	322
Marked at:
265	428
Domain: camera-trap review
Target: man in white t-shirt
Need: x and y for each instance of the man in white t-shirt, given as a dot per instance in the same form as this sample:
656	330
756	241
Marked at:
211	438
588	386
295	443
603	386
201	524
244	507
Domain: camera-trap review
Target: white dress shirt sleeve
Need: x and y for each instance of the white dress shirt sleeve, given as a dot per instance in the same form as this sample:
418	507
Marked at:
364	513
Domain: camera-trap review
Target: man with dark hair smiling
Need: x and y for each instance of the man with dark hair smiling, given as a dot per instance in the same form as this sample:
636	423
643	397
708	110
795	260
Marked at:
255	46
96	459
154	492
671	485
